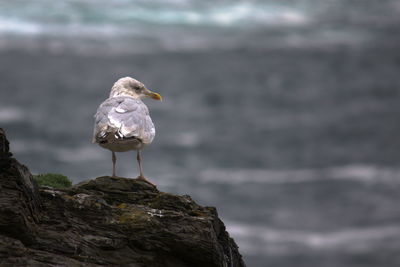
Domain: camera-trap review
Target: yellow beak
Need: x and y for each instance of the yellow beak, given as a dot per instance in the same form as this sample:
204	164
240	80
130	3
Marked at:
154	95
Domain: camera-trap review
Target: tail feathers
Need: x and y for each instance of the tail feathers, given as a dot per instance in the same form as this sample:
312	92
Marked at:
105	136
101	137
101	134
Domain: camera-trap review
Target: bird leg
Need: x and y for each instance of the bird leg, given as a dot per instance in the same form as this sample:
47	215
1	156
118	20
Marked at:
139	159
114	160
141	176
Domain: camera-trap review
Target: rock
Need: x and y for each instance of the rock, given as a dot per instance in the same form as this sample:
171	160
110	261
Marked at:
19	197
105	222
5	154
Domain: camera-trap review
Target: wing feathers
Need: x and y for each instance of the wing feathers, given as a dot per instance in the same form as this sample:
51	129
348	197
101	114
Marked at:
127	115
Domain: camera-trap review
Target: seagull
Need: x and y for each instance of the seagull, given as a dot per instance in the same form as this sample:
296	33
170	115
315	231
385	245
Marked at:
123	123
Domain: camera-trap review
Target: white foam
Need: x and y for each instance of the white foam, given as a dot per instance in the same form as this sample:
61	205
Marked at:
260	239
235	14
173	25
8	25
11	114
118	19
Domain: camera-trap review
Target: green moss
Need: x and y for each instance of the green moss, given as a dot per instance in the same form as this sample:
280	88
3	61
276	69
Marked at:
52	179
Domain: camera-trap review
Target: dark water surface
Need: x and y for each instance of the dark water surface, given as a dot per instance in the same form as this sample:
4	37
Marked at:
296	148
288	124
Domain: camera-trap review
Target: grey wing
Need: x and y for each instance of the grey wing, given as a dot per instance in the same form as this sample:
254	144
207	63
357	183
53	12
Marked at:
125	115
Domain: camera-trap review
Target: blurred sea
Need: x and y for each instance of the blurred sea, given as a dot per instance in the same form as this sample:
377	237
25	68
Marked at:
282	114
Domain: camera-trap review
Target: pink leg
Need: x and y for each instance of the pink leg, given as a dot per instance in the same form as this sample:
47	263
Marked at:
141	176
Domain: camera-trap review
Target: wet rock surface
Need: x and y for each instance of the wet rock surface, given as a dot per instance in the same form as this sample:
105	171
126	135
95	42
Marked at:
105	222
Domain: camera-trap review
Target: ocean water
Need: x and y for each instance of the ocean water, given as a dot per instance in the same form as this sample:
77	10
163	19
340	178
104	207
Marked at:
282	114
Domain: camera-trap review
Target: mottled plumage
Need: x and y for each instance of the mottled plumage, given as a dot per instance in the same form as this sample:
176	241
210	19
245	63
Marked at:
120	119
122	122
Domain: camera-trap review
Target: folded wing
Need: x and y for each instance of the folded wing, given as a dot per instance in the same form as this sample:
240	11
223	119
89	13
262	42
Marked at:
123	117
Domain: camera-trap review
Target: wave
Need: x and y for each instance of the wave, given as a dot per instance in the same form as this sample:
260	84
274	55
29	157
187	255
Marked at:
360	173
145	26
80	154
11	114
135	26
9	25
70	16
261	240
237	14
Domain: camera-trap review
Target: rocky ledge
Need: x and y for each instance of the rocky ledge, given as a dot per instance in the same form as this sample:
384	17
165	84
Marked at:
105	222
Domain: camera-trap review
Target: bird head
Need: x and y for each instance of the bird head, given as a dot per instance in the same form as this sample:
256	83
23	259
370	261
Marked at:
133	88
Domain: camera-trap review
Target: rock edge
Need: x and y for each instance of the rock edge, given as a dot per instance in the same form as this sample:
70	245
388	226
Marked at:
105	222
